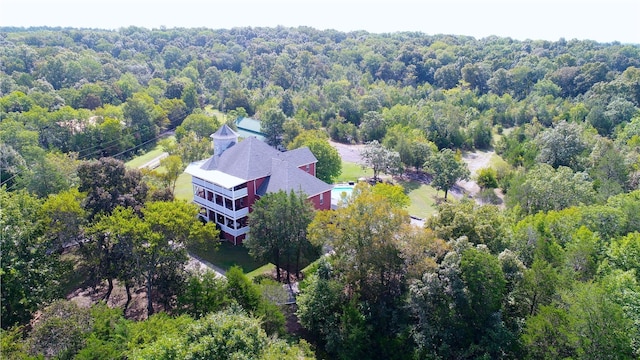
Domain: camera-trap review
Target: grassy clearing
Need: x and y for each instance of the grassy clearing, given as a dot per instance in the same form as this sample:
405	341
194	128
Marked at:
227	256
184	190
352	172
261	270
423	199
209	110
138	161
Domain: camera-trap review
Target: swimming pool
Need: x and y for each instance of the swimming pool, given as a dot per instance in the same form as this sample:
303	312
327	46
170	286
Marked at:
336	192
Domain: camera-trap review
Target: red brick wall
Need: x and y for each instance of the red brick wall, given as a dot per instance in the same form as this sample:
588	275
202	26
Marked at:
326	203
252	186
312	168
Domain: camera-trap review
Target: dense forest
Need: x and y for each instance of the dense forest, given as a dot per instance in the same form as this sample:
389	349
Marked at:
551	273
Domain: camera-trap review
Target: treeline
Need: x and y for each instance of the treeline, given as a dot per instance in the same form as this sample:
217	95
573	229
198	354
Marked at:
95	93
555	275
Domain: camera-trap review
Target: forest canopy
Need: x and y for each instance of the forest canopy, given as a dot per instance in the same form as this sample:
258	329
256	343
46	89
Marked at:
552	272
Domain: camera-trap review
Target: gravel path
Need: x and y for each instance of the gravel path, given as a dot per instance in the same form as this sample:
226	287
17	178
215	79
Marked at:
475	161
348	153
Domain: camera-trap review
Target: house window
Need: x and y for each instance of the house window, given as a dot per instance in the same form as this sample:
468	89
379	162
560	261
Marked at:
307	167
321	198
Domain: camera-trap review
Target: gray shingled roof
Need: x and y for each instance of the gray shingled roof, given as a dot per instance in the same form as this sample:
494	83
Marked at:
298	157
253	159
225	132
286	176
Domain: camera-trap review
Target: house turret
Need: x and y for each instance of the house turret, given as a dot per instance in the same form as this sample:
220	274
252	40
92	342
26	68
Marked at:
223	139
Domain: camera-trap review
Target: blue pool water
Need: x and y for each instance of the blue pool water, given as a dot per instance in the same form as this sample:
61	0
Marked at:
337	191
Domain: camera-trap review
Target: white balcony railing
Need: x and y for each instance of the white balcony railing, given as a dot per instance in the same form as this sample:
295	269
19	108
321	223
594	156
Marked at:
234	232
220	208
230	193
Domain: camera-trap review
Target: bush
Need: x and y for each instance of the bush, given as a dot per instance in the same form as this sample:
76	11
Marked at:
487	178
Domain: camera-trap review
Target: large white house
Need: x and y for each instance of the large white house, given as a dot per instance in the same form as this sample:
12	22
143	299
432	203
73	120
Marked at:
229	182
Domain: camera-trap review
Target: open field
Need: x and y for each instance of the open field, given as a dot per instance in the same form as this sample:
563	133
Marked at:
352	172
183	189
423	199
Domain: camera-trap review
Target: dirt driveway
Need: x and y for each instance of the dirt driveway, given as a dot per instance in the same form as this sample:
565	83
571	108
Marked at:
348	153
475	161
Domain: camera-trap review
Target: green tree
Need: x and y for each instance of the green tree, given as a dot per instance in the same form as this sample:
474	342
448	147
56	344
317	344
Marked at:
61	330
176	111
108	183
110	248
599	325
481	224
167	228
373	126
174	167
49	172
201	124
319	305
380	159
144	117
561	145
31	273
223	335
458	307
204	292
624	253
271	125
371	271
395	194
190	98
544	188
279	231
547	335
64	218
248	295
446	169
487	178
329	165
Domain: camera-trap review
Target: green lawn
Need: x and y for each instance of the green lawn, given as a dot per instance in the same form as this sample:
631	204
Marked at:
423	199
138	161
352	172
227	256
184	190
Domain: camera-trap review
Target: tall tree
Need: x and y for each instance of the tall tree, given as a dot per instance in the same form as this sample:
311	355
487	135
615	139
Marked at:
167	228
32	272
64	218
458	306
446	169
271	125
362	235
544	188
561	145
329	165
108	183
110	248
380	159
174	167
279	231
